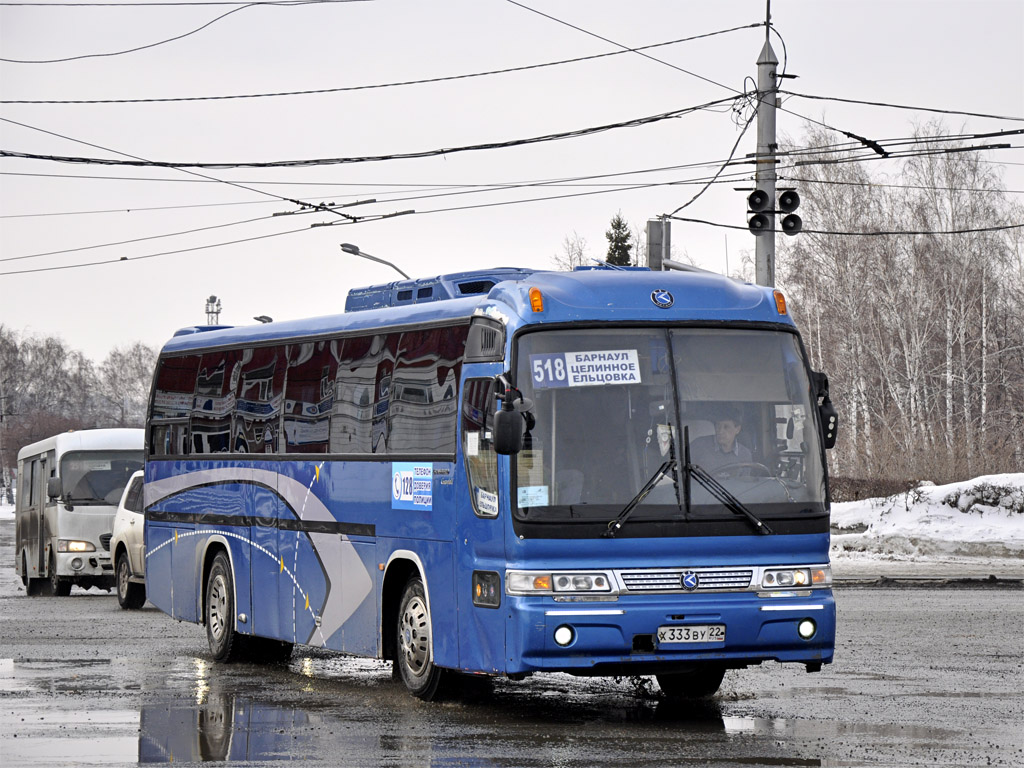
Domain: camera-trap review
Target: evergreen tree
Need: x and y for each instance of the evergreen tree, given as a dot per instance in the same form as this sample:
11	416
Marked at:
620	242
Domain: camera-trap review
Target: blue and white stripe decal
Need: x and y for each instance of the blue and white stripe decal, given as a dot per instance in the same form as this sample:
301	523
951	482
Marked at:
349	582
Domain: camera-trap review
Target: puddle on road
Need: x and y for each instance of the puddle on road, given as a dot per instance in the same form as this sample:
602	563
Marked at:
63	712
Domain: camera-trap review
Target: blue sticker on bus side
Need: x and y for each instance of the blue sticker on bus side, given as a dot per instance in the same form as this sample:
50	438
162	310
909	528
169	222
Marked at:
412	485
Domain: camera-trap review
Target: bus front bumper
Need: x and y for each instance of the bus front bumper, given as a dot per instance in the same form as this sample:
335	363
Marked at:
622	637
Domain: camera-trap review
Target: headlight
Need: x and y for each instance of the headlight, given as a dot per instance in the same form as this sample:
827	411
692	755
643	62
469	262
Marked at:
547	583
70	545
816	576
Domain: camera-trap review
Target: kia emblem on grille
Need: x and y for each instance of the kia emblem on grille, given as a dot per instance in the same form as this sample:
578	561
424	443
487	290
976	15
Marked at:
690	580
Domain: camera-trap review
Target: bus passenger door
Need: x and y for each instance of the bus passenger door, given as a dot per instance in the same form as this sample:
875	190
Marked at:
480	543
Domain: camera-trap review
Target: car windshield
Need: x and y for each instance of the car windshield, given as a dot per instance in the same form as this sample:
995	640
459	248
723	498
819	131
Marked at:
98	477
611	407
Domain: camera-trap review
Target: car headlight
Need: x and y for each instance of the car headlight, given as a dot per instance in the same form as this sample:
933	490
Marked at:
71	545
816	576
555	582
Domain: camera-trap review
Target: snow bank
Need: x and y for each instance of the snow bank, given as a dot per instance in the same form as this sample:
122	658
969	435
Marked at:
983	517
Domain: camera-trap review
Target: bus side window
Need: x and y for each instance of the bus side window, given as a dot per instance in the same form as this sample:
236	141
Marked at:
477	446
172	406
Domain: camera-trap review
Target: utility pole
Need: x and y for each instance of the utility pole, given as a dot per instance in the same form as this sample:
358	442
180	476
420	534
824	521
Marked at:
767	94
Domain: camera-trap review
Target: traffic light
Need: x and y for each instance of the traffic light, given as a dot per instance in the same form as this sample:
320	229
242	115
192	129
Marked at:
789	201
759	204
758	201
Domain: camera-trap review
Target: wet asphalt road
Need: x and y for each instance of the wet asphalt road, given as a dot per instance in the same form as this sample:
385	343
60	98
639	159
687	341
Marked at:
922	677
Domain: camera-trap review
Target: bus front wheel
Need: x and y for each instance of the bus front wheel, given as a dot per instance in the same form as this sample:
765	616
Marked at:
700	682
58	587
225	642
413	660
33	587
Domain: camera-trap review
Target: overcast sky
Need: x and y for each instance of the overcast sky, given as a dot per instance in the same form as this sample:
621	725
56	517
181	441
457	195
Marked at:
965	55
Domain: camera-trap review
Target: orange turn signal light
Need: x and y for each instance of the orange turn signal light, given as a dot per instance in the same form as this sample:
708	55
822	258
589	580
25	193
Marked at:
542	582
536	300
780	302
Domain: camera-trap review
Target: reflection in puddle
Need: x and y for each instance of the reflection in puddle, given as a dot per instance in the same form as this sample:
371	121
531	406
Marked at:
223	727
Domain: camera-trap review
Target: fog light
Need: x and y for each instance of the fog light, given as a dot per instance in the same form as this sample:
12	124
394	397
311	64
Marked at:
806	629
76	563
564	635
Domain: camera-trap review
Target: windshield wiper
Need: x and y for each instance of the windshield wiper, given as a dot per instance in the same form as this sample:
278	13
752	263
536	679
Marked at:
715	488
614	525
723	495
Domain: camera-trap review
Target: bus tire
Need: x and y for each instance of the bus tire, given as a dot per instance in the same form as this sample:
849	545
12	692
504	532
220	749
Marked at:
130	596
413	662
33	587
225	642
59	587
700	682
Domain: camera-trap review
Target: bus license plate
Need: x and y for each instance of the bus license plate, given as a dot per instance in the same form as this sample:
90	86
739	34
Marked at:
691	633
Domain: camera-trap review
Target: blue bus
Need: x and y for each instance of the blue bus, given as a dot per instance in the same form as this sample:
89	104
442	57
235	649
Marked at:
598	472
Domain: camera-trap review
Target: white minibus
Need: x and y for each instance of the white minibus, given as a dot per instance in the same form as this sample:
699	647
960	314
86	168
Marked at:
69	488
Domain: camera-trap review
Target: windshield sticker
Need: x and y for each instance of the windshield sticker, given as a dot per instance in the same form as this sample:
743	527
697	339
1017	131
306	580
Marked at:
533	496
412	485
585	369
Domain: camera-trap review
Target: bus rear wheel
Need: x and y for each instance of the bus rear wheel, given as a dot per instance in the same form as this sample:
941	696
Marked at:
413	661
59	587
33	587
130	596
225	642
700	682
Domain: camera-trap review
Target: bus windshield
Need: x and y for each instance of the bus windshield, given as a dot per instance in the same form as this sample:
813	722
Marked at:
98	477
611	406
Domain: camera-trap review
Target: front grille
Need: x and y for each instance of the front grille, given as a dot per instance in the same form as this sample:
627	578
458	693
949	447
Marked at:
671	579
105	541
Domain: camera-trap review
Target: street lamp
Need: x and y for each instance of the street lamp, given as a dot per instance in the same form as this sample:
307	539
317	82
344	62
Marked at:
354	250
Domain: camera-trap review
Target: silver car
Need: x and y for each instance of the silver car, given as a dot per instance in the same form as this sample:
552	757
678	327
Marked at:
128	547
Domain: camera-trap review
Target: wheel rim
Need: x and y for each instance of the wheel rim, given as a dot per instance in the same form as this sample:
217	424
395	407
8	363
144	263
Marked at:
414	637
122	578
218	607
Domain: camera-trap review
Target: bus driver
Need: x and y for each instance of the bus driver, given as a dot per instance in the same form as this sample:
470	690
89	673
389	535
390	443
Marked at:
722	449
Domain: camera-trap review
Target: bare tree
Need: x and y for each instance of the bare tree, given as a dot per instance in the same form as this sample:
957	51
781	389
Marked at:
125	376
574	253
920	334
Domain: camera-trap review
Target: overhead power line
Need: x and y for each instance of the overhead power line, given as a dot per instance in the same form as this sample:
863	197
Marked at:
284	3
398	84
159	4
902	106
879	233
138	162
153	255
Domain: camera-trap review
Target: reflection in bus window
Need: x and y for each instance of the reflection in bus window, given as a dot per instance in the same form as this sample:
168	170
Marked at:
214	402
424	390
258	400
309	397
172	405
363	394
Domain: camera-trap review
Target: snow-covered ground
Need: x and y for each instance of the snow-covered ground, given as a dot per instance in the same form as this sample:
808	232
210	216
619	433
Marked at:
962	530
972	529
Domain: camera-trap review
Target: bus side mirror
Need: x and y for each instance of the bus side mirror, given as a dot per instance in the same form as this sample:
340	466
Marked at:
827	411
829	422
508	432
54	487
